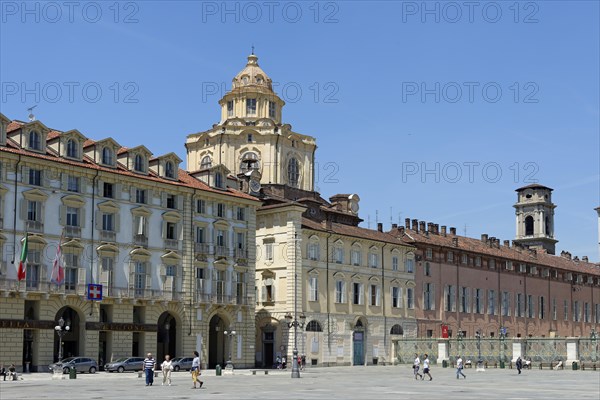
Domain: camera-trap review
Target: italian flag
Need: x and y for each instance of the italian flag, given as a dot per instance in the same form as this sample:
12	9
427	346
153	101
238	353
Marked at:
23	263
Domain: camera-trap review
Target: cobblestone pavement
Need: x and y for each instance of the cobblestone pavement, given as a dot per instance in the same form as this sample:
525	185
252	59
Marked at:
390	382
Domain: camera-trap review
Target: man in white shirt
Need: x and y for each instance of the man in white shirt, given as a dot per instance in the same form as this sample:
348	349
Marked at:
426	368
416	366
459	368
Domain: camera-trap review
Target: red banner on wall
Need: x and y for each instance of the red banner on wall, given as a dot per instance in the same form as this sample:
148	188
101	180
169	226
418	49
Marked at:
445	331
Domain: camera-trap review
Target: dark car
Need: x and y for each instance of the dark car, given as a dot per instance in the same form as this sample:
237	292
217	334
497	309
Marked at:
81	364
125	364
184	363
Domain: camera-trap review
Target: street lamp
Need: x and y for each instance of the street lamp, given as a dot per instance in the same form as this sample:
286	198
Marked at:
61	330
459	337
594	337
292	321
478	335
230	334
502	338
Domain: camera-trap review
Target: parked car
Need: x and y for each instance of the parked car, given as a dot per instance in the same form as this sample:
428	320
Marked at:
125	364
182	363
81	364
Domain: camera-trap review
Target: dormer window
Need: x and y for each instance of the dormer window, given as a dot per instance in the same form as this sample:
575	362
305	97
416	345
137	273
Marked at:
293	172
169	170
272	109
72	150
138	163
34	141
206	162
107	156
218	179
250	106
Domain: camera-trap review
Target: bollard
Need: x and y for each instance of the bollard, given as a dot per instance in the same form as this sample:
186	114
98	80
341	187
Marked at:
73	373
218	370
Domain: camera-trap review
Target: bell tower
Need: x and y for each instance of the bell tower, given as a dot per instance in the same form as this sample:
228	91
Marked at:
535	218
251	136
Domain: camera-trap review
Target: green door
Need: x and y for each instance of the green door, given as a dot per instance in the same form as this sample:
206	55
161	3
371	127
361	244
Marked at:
359	348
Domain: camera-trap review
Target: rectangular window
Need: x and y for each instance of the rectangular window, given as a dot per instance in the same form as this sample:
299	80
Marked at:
171	201
542	307
220	238
200	234
479	301
491	302
108	190
449	293
72	216
230	108
530	306
450	256
73	183
313	251
139	279
171	231
464	300
576	316
338	255
34	209
201	206
429	253
171	270
395	263
140	196
355	254
410	298
396	297
597	314
313	289
35	177
357	293
410	264
250	106
340	292
271	109
427	269
240	241
586	312
565	310
220	210
373	260
554	313
269	251
428	296
71	265
374	295
464	259
241	214
478	261
32	275
520	308
108	222
505	304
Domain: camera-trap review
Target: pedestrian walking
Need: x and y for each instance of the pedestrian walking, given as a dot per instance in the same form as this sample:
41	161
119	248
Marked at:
196	371
459	368
166	367
426	368
519	364
417	366
149	365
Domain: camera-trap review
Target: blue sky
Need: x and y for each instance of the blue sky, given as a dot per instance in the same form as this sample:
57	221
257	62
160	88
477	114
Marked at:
458	106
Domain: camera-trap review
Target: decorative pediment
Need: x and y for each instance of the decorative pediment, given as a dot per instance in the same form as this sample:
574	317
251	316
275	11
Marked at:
357	244
73	200
35	240
35	195
356	277
107	249
221	223
171	216
395	282
170	256
108	207
313	272
411	284
373	279
410	255
339	275
140	254
141	211
267	273
73	244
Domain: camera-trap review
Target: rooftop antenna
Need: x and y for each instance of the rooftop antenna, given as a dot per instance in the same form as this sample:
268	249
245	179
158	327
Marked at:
465	230
252	49
377	216
399	218
369	221
391	216
31	116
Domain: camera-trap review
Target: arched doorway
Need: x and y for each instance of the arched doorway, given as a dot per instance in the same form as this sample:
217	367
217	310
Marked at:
70	340
167	337
216	342
358	343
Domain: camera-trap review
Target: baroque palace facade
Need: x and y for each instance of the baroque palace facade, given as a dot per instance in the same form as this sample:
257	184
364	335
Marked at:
173	251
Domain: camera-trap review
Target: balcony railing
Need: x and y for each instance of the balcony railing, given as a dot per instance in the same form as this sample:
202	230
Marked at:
171	244
221	252
35	226
72	231
140	240
108	236
202	248
241	253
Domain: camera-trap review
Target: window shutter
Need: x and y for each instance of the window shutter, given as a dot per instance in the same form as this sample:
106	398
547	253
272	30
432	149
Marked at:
273	294
45	178
400	298
361	294
118	188
117	217
23	209
42	209
163	270
377	296
163	200
81	281
131	275
98	221
62	215
453	297
100	189
64	179
83	185
468	299
148	280
104	276
263	293
44	272
132	193
25	174
433	296
82	217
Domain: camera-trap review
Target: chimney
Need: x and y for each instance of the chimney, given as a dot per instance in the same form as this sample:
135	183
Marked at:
401	230
422	226
430	227
484	237
407	223
444	230
455	241
437	229
507	243
585	258
497	243
452	230
491	241
415	225
394	226
576	259
379	227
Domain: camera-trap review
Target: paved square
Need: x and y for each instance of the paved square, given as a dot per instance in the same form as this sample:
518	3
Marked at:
318	383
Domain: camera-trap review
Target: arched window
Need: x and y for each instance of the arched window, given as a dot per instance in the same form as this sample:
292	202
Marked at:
169	170
34	140
529	226
396	330
548	227
218	180
107	156
72	149
206	162
314	326
249	162
138	163
293	172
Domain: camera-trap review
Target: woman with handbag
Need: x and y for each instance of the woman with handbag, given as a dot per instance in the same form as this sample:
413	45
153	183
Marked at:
196	370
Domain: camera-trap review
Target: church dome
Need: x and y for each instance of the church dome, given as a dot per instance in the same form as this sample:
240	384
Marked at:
252	76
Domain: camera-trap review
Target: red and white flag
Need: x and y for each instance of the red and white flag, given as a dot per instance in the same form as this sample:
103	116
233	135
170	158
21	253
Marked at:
58	267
